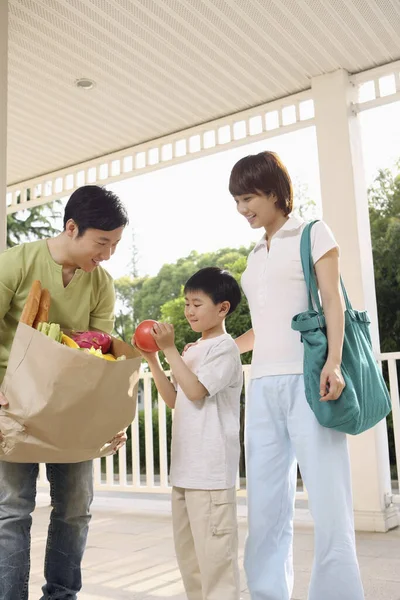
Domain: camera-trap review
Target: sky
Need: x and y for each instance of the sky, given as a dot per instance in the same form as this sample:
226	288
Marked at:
188	206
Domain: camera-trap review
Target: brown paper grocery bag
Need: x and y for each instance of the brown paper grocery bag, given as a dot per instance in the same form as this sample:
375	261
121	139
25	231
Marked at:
64	404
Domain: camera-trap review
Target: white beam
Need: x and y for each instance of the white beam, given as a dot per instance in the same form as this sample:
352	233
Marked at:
231	131
3	120
345	209
258	123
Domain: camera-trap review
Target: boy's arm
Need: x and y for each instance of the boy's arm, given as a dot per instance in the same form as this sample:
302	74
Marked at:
165	388
188	381
163	334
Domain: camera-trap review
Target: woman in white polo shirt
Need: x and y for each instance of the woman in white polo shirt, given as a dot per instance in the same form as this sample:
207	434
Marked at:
281	429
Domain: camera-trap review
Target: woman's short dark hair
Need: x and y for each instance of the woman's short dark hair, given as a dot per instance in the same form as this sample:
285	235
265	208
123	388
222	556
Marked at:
217	284
94	207
265	173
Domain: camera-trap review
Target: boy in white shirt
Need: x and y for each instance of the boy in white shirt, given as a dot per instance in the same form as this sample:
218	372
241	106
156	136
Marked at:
205	436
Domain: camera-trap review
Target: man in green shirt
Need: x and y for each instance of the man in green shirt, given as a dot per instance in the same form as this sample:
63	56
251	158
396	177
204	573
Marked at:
82	298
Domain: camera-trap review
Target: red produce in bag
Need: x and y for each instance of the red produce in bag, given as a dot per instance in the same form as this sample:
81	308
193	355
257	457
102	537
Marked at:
92	339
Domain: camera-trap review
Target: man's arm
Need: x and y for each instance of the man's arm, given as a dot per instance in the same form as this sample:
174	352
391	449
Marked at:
10	278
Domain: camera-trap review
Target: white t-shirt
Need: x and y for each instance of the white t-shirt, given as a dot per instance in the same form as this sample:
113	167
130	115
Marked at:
205	434
276	291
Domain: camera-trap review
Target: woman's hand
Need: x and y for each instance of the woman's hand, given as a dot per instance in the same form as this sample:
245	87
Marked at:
187	346
331	383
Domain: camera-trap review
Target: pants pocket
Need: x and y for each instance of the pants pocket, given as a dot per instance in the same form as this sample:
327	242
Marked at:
222	546
223	518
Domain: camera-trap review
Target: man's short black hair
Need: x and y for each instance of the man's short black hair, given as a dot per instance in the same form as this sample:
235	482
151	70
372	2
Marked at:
94	207
218	284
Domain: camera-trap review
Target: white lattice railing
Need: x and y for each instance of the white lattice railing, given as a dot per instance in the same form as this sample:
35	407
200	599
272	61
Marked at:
127	477
378	87
392	360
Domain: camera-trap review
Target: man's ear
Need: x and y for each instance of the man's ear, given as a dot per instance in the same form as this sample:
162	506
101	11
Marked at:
71	228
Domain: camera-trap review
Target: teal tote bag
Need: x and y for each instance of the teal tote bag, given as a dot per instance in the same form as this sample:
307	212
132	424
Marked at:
365	400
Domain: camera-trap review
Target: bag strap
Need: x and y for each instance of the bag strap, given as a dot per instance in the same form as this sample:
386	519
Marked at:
309	272
309	275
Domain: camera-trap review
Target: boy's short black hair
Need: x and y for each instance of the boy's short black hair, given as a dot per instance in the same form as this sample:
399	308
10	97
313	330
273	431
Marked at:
218	284
266	173
94	207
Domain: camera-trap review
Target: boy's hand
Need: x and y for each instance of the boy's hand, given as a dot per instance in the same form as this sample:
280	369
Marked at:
164	335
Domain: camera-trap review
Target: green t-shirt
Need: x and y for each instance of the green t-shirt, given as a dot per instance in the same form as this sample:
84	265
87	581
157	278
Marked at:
86	303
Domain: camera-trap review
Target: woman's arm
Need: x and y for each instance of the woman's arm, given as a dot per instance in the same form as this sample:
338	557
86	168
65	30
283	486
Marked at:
328	277
245	342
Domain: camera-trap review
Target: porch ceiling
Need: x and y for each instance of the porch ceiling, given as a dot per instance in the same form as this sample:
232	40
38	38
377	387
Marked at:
165	65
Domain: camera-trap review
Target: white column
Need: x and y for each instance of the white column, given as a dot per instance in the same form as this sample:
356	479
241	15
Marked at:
3	120
345	209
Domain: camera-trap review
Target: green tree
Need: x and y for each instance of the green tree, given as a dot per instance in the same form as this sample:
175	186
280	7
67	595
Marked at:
125	318
161	297
234	260
125	290
36	223
134	260
384	211
167	284
303	205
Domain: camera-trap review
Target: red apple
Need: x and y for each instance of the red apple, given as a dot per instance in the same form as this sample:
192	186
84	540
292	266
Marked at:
143	338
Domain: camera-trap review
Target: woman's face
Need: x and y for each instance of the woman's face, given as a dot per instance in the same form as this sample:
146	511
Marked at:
259	209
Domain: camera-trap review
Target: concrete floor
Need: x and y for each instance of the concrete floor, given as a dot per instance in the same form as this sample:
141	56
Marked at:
130	553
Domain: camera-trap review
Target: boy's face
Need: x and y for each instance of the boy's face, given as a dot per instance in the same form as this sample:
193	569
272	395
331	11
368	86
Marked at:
93	247
258	209
202	313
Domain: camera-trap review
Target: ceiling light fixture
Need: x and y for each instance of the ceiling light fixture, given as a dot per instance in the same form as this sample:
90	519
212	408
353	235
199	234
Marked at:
84	83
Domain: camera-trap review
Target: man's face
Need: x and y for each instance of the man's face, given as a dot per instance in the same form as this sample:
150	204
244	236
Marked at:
93	247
